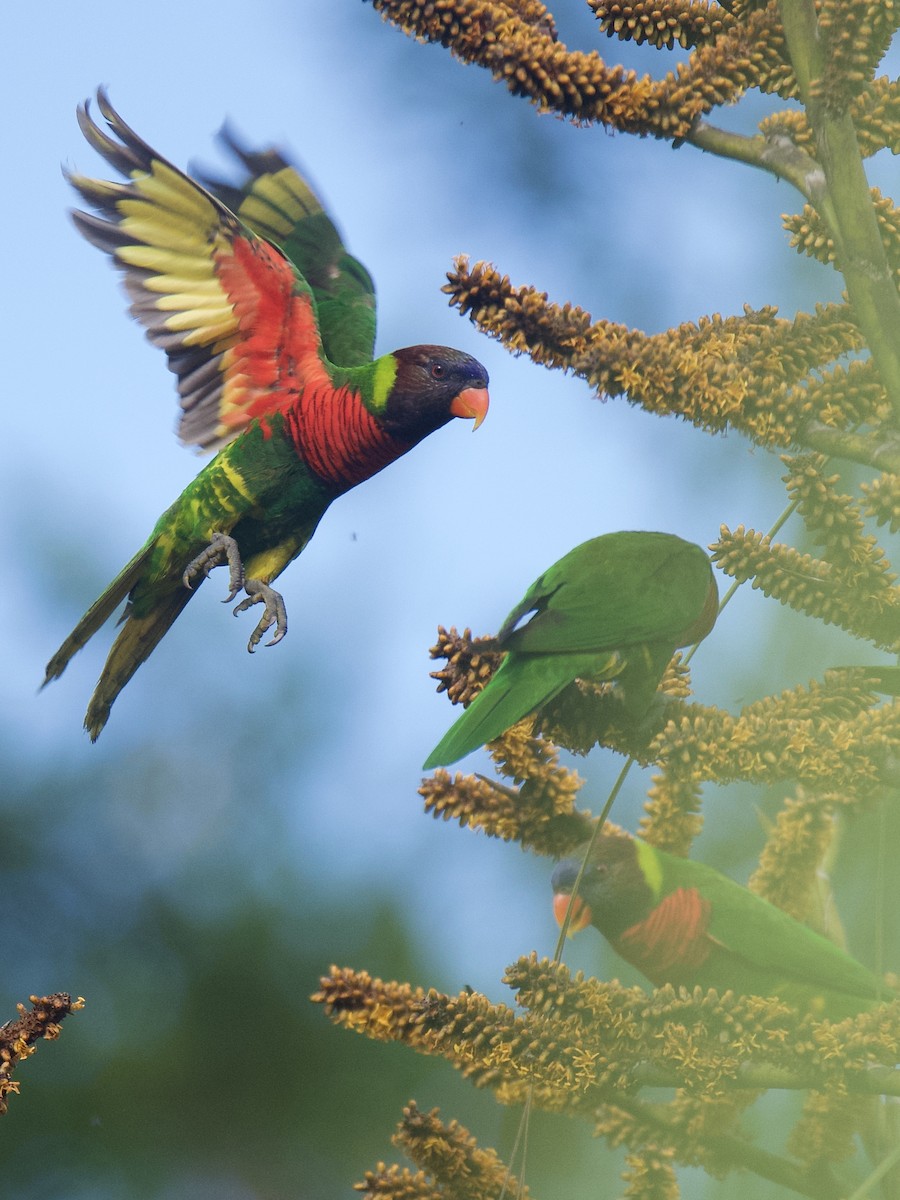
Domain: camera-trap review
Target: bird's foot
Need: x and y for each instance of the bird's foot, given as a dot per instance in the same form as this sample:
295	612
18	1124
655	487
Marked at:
224	549
275	612
221	549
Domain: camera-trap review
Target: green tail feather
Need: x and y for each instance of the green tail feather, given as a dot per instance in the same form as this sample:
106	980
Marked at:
491	712
99	613
519	686
136	642
137	639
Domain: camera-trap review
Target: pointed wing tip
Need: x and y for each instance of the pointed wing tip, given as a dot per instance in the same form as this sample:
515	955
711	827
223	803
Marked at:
442	756
445	753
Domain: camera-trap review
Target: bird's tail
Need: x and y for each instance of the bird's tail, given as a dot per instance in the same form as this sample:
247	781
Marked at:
137	639
518	688
99	613
491	713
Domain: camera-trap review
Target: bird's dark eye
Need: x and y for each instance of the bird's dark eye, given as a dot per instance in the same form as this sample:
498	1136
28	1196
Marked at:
437	370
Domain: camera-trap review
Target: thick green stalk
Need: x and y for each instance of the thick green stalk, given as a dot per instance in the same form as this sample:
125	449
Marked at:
880	452
778	155
844	200
884	1167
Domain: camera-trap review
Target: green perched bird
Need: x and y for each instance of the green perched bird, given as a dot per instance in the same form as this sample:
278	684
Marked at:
683	923
268	324
614	608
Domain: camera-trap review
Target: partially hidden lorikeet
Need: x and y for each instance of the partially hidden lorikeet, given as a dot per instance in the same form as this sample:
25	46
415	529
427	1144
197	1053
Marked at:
268	324
686	924
615	608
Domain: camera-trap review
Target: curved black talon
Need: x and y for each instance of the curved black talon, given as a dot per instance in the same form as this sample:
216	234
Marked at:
275	613
221	549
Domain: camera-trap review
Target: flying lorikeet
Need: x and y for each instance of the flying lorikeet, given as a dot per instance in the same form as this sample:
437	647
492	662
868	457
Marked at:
614	608
684	923
268	324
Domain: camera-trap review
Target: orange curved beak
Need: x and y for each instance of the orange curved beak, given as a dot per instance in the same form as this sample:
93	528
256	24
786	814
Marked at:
471	403
581	914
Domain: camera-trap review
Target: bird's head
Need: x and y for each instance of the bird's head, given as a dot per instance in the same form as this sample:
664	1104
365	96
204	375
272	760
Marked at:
613	891
433	384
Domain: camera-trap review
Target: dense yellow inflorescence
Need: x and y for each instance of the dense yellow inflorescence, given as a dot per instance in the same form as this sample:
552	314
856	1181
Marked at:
662	25
524	53
813	586
792	871
855	35
875	113
580	1043
809	234
451	1164
757	373
881	500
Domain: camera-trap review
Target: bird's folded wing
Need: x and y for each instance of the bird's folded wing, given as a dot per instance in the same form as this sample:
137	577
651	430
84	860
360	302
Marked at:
616	590
767	937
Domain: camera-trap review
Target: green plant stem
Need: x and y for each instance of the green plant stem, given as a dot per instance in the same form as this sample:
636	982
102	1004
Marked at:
882	453
777	155
845	201
585	858
886	1164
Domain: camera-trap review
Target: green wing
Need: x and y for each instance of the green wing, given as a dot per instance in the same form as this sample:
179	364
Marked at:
618	590
519	686
766	937
277	203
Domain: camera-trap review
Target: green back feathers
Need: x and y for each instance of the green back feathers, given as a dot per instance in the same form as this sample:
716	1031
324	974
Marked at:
615	590
755	931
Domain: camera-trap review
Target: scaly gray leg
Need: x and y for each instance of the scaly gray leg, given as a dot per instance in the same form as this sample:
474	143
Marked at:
221	549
